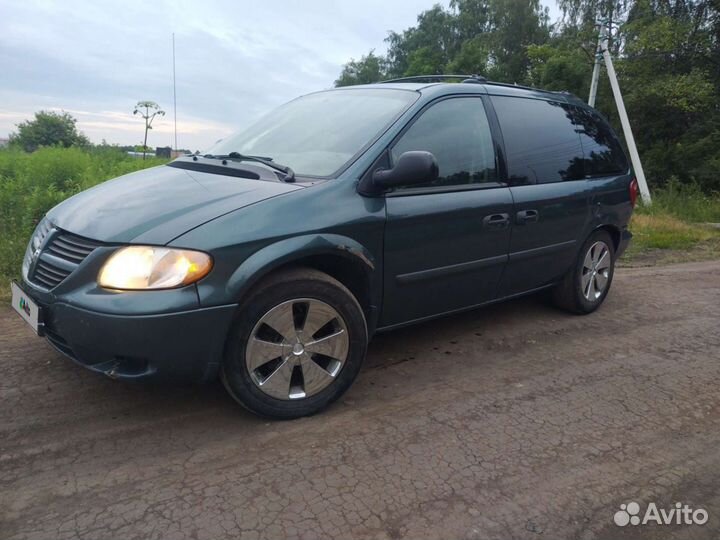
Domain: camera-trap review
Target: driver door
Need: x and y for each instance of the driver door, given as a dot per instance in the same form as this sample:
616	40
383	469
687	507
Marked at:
447	241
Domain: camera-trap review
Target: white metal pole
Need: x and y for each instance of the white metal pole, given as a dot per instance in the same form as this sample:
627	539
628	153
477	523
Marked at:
627	130
596	69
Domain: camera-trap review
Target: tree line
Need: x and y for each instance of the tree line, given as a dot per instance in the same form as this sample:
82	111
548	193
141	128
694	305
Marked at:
51	128
667	56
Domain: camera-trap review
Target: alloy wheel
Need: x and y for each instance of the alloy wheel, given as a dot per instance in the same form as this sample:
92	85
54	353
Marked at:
297	349
596	271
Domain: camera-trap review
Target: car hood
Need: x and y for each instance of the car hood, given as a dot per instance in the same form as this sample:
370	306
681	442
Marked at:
156	205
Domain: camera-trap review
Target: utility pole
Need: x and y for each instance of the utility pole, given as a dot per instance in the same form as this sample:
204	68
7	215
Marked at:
622	113
596	72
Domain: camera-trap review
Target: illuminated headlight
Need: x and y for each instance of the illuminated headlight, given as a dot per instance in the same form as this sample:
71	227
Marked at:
147	267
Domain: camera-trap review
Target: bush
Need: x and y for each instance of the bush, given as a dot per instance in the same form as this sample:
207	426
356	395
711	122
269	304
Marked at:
31	184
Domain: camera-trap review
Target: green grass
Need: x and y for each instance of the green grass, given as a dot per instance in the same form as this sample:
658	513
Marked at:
31	184
687	202
664	231
675	227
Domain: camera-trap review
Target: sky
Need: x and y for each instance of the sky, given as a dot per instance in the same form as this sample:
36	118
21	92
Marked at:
235	60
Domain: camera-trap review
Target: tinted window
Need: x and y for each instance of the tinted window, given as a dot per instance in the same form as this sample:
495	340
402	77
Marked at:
541	142
456	131
602	150
318	133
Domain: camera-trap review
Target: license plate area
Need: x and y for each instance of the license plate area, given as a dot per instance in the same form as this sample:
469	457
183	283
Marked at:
27	308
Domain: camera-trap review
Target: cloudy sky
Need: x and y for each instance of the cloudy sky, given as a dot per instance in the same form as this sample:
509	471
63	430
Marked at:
235	59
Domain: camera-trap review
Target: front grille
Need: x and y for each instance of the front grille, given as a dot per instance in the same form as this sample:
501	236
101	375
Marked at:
62	254
48	274
71	248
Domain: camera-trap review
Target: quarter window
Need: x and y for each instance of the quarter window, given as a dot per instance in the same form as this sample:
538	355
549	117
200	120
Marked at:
541	140
457	133
603	153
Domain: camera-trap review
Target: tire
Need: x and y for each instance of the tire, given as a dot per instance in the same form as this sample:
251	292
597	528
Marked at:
581	291
317	359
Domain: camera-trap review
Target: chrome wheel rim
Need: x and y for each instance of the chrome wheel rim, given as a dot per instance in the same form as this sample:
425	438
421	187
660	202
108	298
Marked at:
595	271
297	349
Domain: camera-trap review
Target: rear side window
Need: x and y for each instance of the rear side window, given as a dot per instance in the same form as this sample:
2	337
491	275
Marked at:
603	153
457	133
541	141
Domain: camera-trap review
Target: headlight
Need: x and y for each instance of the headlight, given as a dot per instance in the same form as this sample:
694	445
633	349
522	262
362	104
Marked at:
147	267
36	240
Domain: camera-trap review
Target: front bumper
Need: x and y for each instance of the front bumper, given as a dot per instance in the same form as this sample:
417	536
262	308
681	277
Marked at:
184	345
123	334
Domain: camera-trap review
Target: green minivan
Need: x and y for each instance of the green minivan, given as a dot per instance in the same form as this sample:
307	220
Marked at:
271	260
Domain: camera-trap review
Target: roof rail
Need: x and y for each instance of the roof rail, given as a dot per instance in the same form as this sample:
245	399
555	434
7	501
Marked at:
438	78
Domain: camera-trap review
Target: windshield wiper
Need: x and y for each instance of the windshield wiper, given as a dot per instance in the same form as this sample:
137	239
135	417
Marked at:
268	162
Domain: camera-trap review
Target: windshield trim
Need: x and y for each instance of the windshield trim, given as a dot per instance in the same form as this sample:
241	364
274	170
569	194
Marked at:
384	129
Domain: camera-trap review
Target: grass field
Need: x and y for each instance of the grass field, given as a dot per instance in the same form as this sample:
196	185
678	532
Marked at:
31	184
672	229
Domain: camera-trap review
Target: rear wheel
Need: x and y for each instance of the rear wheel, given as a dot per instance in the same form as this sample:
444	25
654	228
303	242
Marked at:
586	285
296	346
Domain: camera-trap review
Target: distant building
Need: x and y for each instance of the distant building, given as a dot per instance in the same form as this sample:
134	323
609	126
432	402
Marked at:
4	141
168	153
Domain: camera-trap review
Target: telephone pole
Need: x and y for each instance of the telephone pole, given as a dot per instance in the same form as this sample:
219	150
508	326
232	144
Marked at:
604	53
596	72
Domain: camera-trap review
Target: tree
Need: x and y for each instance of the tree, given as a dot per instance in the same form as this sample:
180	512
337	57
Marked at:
557	65
48	129
370	68
666	53
425	49
148	110
488	37
516	25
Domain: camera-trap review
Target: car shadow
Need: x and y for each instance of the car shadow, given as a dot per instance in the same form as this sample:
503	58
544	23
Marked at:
490	320
209	402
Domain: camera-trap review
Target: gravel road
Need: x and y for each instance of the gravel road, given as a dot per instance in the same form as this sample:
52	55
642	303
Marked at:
515	421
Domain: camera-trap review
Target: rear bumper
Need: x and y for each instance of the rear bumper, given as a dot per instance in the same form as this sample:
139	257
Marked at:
625	237
186	345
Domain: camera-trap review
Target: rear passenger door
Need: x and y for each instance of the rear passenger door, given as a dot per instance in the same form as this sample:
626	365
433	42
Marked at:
446	242
550	192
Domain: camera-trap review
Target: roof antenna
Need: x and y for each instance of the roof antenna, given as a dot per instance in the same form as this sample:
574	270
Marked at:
174	93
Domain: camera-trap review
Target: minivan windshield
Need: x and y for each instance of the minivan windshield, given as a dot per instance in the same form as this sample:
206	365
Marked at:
315	135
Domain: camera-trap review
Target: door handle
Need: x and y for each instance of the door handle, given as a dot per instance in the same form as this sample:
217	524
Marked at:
496	221
527	216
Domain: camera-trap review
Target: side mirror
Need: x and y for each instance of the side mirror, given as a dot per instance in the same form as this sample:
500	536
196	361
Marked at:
415	167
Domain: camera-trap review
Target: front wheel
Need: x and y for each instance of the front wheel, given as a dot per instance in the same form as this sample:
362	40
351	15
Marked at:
587	283
296	346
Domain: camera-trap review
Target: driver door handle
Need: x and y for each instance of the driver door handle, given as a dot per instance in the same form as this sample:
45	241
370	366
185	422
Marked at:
496	221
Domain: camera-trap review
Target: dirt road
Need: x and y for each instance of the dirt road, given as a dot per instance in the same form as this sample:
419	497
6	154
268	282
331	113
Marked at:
516	421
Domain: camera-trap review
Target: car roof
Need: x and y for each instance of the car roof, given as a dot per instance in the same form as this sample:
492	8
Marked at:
435	89
388	85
